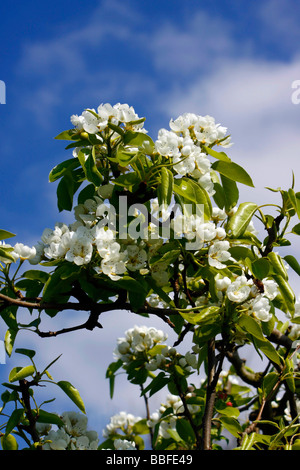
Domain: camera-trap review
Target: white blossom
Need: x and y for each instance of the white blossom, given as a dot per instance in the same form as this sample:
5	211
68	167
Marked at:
260	307
218	254
23	252
124	444
239	290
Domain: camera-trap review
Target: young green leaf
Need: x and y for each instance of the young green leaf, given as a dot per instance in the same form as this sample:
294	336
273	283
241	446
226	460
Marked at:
219	155
233	171
5	234
20	373
240	220
293	263
165	188
59	170
72	393
14	420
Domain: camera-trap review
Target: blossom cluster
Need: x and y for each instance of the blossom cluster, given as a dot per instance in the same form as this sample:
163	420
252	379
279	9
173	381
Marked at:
183	144
74	435
244	291
94	121
139	342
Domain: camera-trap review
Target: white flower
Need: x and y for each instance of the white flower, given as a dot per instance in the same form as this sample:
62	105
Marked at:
218	214
137	257
75	423
90	122
222	282
123	444
59	440
23	251
121	421
80	248
167	143
260	307
270	288
239	290
39	253
218	254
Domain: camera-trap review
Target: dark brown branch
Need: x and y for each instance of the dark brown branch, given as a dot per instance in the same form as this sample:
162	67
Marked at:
31	427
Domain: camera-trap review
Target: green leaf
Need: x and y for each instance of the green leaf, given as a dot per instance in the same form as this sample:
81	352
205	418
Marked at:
140	140
165	188
287	293
20	373
128	180
14	420
191	193
219	155
240	253
156	384
269	381
91	170
65	193
185	431
233	171
86	193
141	427
27	352
5	234
9	340
205	332
294	201
205	315
125	156
9	316
260	268
67	135
252	327
232	425
226	410
72	393
240	220
51	418
110	374
277	265
231	192
33	274
5	253
296	229
58	285
59	170
293	263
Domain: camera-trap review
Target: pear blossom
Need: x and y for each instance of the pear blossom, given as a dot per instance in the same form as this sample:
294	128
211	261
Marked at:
260	307
23	252
239	290
124	444
80	246
218	254
270	288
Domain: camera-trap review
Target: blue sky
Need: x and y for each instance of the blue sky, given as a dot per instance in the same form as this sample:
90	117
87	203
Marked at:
233	60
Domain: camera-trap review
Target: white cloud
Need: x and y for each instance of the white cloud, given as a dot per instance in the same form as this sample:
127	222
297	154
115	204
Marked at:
209	72
253	99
